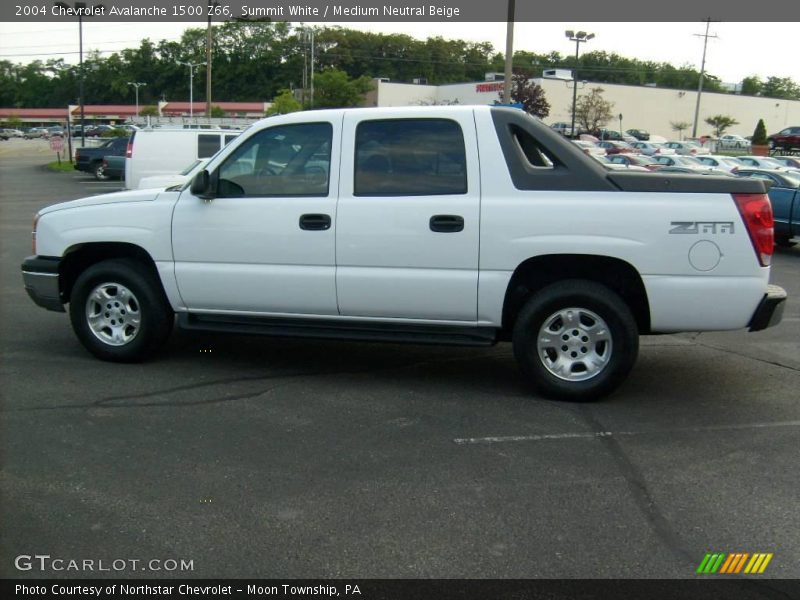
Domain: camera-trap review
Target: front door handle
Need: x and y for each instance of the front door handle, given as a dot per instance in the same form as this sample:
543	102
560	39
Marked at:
447	223
312	222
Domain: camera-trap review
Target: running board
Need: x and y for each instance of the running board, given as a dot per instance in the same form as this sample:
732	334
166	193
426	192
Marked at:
339	330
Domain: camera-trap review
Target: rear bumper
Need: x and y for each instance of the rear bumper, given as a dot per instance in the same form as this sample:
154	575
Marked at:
40	275
770	310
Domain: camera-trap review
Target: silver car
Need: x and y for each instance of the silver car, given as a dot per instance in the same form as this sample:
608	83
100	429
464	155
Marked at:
652	148
687	148
725	163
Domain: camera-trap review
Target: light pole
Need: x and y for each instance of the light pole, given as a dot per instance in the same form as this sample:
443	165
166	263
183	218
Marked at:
81	9
578	37
191	84
136	85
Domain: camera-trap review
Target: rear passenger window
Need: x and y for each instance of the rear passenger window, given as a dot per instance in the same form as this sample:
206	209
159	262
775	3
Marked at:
207	145
409	157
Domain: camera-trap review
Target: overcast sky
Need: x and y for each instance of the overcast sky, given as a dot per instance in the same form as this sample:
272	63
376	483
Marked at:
731	56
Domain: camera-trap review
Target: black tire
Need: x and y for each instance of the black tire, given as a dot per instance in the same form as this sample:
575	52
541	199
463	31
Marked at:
99	172
138	296
784	241
591	300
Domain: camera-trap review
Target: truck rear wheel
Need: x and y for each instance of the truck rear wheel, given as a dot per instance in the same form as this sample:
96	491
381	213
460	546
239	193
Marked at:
575	340
119	311
100	172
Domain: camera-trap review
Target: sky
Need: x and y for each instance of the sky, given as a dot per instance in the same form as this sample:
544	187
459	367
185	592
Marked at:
731	55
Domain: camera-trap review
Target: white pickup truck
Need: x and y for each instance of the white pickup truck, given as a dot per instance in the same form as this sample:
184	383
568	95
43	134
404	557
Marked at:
452	225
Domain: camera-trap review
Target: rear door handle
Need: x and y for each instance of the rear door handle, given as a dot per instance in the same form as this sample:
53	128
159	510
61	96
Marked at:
447	223
313	222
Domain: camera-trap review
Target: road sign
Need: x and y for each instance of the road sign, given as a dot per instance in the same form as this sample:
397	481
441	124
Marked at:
56	143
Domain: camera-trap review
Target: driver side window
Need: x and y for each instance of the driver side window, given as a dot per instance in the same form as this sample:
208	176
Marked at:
288	160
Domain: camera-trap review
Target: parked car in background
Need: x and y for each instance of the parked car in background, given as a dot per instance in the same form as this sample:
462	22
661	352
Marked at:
635	160
725	163
589	147
687	148
616	147
35	132
562	128
55	131
609	134
10	133
652	148
639	134
112	167
761	162
694	171
786	139
731	141
791	162
687	162
784	195
90	160
606	162
98	130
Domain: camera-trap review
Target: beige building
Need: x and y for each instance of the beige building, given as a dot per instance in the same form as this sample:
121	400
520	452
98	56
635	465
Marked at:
649	108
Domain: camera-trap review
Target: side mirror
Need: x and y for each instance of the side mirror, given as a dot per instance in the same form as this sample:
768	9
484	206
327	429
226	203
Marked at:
201	186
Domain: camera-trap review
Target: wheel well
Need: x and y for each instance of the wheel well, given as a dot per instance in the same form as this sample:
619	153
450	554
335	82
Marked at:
78	258
538	272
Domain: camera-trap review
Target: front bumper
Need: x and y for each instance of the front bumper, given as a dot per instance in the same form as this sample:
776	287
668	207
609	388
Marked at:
770	310
40	275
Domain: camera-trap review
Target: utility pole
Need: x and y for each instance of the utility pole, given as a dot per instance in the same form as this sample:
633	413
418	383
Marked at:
702	74
209	43
312	67
508	72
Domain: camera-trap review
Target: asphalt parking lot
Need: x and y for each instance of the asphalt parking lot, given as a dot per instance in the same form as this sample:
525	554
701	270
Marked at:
258	457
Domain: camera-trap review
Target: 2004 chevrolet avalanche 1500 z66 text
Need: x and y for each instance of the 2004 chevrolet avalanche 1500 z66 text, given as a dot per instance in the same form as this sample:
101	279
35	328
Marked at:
459	225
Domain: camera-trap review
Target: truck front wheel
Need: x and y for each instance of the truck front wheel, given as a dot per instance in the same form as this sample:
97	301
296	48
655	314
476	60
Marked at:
119	312
575	340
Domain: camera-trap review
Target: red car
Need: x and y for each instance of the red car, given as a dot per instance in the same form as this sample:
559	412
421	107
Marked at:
787	139
613	147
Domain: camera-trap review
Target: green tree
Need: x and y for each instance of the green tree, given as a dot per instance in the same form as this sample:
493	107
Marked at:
334	89
781	87
217	111
680	126
720	123
148	111
760	134
283	104
751	86
592	110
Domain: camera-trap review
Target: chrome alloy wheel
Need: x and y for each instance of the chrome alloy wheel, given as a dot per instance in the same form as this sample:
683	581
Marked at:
113	314
574	344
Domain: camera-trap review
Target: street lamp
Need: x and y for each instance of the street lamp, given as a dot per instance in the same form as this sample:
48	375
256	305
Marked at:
578	37
191	84
136	85
81	9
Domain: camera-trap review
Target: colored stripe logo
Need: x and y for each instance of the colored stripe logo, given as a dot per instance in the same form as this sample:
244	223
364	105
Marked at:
732	564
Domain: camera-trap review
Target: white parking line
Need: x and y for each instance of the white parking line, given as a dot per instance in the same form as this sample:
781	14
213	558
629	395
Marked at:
600	434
